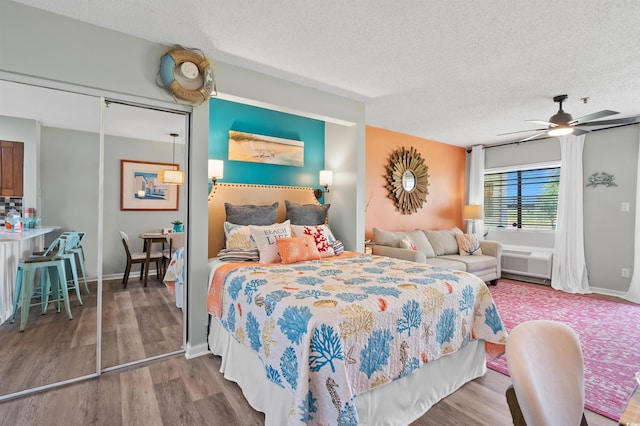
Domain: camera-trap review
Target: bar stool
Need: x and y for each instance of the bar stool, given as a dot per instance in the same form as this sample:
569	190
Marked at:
64	243
52	269
76	249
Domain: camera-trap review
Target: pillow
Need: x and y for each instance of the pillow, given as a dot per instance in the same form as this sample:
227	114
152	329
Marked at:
238	237
250	214
265	238
468	244
421	242
338	247
444	241
387	238
306	214
408	244
297	249
233	255
322	236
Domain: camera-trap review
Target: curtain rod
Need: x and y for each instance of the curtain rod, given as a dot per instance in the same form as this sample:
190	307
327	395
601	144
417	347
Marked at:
519	142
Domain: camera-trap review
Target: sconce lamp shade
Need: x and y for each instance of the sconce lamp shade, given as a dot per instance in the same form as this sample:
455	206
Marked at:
174	177
326	178
216	169
472	212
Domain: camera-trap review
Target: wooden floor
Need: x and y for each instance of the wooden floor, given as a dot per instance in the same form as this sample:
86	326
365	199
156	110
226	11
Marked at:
174	390
177	391
138	322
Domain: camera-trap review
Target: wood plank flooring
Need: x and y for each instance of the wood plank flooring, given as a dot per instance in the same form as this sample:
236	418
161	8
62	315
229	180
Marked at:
138	322
177	391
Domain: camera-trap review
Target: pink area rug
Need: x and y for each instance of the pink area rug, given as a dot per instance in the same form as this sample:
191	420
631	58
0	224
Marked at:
609	334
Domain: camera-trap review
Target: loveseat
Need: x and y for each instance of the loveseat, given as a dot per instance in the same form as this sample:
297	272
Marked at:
447	248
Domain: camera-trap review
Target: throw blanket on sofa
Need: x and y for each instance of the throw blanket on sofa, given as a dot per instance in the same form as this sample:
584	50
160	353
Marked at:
329	330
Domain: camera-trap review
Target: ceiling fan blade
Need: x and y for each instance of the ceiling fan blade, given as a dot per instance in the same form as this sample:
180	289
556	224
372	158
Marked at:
533	136
613	122
594	116
544	123
578	132
521	131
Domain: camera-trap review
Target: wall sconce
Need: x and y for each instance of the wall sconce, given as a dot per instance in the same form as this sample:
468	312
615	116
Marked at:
215	169
326	180
473	212
172	176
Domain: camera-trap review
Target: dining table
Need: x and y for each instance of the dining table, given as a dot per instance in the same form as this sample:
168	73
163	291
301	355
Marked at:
151	238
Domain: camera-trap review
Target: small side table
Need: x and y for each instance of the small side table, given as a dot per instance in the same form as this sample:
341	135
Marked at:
368	246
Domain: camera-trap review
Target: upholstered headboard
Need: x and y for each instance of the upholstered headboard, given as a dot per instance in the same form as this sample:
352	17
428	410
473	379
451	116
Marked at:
239	194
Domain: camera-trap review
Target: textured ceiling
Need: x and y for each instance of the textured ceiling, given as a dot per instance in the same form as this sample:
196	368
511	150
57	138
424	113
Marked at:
459	72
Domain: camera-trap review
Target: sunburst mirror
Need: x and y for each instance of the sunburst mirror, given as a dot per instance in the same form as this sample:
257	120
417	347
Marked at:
407	180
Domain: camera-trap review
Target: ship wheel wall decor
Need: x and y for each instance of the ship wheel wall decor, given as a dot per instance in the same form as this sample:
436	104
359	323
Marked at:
407	180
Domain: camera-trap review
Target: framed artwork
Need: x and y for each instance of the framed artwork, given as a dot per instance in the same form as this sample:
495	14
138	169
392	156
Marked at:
140	188
265	149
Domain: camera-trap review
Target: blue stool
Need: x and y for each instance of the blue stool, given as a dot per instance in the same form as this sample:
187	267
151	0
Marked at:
52	270
63	244
76	248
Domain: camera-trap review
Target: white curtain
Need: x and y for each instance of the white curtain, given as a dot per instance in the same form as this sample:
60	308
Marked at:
633	294
476	186
569	267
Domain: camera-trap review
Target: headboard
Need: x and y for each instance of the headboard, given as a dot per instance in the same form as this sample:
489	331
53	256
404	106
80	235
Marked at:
240	193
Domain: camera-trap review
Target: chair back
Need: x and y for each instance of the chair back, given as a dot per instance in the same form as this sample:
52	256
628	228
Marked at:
52	249
546	366
74	239
125	243
175	240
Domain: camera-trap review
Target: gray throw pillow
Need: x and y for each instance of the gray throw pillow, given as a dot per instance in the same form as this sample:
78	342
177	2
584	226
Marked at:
388	238
249	214
421	242
306	214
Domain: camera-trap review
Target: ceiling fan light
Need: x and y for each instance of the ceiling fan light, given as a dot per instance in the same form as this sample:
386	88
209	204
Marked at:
560	131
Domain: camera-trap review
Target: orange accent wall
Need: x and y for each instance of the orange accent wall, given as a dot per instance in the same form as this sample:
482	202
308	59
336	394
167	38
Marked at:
447	178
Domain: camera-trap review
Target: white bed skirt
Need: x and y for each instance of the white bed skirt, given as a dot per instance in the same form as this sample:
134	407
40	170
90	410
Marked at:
397	403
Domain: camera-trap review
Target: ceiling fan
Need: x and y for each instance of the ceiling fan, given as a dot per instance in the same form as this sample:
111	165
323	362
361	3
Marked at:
562	123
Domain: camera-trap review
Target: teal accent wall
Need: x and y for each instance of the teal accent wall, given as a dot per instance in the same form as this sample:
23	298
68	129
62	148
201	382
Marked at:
226	115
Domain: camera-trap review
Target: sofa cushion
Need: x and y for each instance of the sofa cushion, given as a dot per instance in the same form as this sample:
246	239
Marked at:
446	263
473	264
394	239
443	241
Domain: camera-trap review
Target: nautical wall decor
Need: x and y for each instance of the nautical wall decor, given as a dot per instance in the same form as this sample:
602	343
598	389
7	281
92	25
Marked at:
187	74
601	178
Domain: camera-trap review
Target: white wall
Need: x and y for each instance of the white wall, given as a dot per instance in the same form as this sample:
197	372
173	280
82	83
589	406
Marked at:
56	48
608	232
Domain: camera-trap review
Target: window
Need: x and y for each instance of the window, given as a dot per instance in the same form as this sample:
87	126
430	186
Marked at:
522	198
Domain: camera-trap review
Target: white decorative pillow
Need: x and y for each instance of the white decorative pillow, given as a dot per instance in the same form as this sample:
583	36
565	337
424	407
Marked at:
468	244
408	244
322	236
265	238
238	237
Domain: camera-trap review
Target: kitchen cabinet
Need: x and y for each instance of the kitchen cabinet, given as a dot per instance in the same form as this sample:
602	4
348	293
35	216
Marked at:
11	169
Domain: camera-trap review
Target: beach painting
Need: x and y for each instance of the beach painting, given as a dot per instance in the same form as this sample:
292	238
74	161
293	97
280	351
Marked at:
265	149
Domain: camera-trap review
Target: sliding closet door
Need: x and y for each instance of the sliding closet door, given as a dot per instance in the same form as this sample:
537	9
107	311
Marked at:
141	321
60	132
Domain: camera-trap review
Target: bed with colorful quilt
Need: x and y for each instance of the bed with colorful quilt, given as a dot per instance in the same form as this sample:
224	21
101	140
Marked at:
345	338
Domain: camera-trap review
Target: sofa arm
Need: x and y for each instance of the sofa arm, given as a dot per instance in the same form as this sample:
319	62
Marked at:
493	248
399	253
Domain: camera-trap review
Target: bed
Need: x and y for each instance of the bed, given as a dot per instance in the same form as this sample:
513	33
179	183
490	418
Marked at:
347	339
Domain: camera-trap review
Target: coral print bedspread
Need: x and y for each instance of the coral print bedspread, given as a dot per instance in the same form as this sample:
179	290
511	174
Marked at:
331	329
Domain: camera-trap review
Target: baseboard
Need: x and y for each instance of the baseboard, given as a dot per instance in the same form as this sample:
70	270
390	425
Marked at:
609	292
197	350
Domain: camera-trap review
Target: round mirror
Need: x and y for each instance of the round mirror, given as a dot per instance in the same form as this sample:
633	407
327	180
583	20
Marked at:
408	181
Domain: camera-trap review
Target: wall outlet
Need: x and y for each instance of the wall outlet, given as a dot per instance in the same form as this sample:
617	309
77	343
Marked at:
624	272
624	206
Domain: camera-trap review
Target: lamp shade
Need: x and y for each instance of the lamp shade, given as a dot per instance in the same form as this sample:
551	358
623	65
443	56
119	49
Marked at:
216	169
326	177
472	212
174	177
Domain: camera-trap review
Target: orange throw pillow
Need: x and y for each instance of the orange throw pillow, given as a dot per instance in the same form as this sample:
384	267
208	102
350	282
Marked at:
297	249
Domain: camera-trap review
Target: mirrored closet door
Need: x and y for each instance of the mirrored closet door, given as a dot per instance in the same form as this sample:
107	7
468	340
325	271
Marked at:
142	316
59	133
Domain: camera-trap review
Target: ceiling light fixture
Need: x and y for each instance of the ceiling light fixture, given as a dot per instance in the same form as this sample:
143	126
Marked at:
560	131
172	176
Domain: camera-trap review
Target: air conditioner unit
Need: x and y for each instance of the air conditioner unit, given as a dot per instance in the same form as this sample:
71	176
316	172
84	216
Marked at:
528	262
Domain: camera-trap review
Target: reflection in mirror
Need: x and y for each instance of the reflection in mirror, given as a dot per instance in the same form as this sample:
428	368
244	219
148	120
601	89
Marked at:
408	181
59	135
143	318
